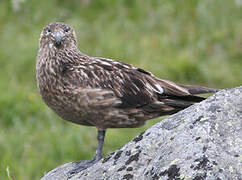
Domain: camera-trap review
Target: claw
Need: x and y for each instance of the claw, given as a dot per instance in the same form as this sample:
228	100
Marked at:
81	165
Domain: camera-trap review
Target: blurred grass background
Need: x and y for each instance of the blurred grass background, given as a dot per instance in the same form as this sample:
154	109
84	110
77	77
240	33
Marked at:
192	42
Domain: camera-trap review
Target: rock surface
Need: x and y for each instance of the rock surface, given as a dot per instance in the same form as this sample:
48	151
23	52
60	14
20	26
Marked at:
203	141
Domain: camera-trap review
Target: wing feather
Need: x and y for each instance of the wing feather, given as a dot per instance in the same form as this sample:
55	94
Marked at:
135	87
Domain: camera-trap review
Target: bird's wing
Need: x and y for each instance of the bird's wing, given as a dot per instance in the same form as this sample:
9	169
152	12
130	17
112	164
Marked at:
135	87
126	81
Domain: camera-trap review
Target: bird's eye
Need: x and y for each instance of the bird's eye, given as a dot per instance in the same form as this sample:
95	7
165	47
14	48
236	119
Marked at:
48	30
67	29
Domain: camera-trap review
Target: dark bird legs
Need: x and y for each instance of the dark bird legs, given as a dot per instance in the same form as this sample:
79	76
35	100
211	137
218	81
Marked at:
100	138
81	165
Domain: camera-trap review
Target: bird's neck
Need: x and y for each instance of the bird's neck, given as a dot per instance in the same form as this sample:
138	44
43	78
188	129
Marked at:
52	65
49	67
52	60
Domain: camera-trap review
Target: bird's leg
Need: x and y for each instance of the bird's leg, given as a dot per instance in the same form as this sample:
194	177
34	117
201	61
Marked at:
99	151
81	165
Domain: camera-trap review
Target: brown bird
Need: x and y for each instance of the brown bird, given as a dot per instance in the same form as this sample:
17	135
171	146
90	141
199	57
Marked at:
100	92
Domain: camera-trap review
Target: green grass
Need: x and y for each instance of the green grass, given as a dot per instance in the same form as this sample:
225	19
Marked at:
193	42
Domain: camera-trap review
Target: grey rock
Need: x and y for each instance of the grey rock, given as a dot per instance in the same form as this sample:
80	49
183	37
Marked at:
203	141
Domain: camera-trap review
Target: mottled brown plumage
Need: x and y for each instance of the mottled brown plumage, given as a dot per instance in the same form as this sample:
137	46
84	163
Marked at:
101	92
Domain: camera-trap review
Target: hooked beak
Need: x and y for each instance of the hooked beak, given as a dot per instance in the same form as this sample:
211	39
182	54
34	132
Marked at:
58	37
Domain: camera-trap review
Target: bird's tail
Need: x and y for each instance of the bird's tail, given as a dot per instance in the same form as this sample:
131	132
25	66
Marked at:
199	89
181	96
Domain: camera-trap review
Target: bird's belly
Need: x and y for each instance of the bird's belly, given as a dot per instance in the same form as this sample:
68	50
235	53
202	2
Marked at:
69	109
76	108
65	105
100	118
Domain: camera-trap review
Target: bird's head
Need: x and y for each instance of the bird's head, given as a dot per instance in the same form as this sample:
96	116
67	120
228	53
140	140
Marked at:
57	36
